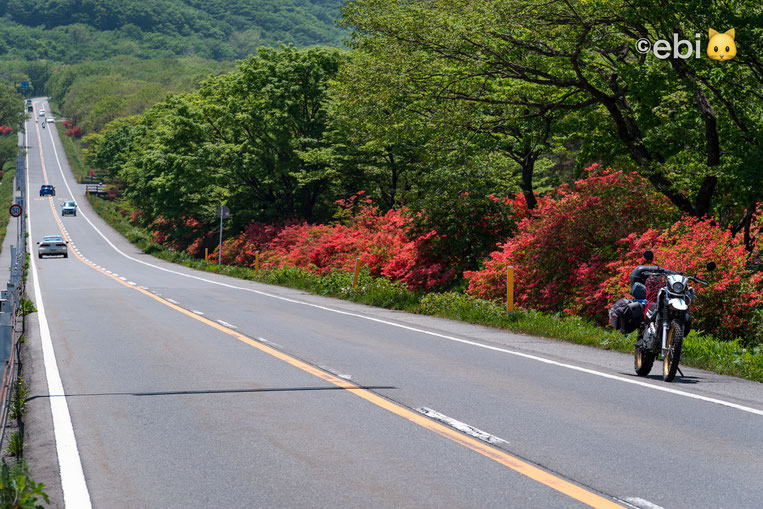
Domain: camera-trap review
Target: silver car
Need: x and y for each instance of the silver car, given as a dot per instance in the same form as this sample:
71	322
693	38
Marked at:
69	208
52	245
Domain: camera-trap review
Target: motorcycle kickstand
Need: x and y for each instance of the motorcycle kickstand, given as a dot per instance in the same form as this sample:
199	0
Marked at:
679	370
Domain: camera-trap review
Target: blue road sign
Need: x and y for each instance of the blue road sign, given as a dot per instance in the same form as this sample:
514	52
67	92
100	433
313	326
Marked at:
24	84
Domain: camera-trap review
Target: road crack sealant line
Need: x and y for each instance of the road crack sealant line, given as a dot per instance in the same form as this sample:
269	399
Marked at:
73	484
514	463
544	360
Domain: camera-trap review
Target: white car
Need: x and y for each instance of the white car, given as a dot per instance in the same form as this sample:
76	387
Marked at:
52	245
69	208
42	113
50	120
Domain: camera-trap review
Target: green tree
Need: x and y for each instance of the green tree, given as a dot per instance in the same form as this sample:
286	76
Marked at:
685	124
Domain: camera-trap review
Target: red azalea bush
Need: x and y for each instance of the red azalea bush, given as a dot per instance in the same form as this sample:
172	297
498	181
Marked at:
4	129
724	307
74	131
242	249
181	235
67	123
383	242
369	235
561	253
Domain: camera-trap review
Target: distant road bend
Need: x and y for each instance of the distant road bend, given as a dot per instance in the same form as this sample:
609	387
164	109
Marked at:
170	387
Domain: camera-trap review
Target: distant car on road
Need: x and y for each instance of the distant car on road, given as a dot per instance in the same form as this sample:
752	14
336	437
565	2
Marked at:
42	113
50	120
52	245
47	189
69	208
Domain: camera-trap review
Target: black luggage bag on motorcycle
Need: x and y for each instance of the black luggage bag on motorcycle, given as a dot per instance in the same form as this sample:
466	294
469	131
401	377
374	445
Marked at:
626	315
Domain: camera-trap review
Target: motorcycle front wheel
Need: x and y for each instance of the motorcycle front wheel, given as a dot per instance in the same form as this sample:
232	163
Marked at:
672	355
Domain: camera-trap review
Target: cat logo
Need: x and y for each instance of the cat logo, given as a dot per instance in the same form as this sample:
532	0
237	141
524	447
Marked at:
721	46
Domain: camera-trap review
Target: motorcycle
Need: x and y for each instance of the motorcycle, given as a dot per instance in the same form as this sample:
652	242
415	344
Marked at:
667	296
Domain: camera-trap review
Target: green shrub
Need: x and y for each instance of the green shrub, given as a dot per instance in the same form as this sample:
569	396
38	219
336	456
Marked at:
18	490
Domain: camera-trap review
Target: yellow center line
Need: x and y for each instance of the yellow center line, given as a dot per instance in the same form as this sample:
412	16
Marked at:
495	454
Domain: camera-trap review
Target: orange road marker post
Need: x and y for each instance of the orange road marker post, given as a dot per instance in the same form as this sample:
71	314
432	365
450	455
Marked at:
355	275
112	217
257	263
510	290
206	254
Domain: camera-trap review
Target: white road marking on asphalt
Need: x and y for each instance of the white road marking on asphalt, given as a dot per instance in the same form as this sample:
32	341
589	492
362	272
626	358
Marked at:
196	312
73	482
131	283
641	503
640	383
225	324
461	426
271	343
123	278
336	373
173	301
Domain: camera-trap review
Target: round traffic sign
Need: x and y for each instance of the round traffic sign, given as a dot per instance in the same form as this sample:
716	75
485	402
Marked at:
15	210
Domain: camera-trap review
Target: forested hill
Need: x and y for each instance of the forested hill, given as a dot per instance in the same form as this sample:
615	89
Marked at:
76	30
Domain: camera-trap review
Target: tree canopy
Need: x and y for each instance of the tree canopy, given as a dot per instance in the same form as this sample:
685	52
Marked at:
76	30
687	124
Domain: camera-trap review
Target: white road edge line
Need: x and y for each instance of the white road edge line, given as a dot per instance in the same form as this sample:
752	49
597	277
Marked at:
461	426
640	383
73	481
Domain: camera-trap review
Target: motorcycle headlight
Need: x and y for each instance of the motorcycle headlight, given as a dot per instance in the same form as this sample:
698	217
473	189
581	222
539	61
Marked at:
677	287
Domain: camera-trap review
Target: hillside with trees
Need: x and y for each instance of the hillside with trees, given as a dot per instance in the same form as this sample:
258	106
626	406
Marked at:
76	30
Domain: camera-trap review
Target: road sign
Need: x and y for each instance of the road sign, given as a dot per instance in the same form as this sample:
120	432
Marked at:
15	210
24	84
223	212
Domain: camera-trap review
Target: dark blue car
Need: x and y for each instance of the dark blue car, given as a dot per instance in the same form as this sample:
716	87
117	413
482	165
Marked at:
47	189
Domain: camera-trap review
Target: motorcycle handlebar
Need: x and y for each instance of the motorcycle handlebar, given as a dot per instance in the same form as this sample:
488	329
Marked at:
661	272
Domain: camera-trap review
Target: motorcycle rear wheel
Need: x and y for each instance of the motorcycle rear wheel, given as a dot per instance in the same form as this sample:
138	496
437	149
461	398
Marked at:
674	346
643	360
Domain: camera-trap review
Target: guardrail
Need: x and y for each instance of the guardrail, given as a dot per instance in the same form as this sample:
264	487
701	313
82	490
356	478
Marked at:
95	189
11	313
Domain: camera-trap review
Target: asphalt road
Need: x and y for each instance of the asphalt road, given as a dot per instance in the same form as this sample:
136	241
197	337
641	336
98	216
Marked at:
187	389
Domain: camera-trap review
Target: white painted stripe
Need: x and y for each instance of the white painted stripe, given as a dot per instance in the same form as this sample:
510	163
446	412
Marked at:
641	503
336	373
461	426
225	324
173	301
271	343
618	378
131	283
73	481
197	312
123	278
